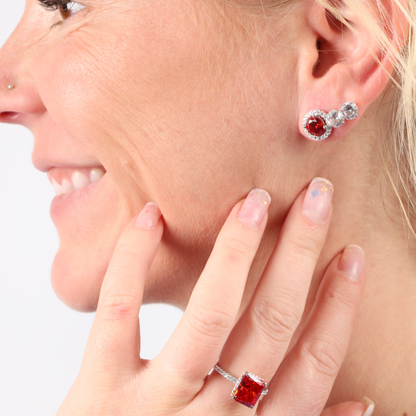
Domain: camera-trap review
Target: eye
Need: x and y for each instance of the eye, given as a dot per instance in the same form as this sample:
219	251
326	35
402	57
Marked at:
66	10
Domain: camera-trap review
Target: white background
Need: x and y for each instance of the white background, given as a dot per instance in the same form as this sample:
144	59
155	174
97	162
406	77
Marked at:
41	340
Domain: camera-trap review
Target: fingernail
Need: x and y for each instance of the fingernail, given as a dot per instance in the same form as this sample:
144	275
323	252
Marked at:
148	217
317	201
370	406
254	208
351	263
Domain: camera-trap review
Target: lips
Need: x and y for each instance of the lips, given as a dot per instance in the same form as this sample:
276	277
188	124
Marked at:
67	180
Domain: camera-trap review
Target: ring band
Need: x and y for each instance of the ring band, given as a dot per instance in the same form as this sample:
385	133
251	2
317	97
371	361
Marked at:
247	389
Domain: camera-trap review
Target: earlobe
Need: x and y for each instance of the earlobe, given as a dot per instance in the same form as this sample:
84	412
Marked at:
340	60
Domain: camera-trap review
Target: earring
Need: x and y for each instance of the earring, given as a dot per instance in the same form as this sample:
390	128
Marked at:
318	125
10	86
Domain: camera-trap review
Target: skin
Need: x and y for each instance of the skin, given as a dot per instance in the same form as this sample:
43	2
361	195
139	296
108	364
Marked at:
184	108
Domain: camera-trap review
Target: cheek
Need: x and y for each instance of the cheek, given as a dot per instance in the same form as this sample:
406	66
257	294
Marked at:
72	86
75	82
113	92
99	75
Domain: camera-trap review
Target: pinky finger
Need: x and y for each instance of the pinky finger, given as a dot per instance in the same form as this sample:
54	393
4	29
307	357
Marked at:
365	408
310	368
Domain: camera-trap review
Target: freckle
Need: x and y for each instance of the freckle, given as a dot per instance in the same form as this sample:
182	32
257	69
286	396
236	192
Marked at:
404	414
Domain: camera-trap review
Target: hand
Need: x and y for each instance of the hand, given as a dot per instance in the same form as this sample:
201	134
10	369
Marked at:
113	380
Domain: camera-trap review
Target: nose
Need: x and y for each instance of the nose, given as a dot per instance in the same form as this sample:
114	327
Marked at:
20	102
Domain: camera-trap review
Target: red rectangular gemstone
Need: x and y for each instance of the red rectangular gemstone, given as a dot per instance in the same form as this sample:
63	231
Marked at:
248	390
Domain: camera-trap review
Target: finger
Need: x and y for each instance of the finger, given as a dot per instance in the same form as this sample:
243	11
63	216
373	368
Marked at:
309	370
196	343
260	339
115	330
365	408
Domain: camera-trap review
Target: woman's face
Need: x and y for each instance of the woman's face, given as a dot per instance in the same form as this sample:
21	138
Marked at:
174	100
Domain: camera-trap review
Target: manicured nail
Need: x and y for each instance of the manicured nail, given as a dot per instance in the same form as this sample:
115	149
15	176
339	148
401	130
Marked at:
148	217
254	208
370	406
317	201
351	263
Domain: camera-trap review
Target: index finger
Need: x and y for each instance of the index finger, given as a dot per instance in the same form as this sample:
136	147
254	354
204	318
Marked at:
115	333
196	344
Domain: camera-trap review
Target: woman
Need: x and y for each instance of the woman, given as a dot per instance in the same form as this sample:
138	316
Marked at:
193	106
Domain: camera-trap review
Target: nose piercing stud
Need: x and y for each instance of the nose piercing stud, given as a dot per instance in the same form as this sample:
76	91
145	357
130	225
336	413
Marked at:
10	87
318	125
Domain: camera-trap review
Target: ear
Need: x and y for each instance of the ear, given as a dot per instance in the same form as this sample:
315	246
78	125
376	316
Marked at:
345	68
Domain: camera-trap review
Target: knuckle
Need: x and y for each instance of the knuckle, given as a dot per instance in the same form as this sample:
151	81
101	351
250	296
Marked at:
238	248
129	253
304	246
118	307
324	357
102	344
341	299
275	319
130	250
211	323
129	247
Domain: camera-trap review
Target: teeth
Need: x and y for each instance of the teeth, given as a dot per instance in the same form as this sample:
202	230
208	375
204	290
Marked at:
73	179
79	179
96	174
56	187
65	188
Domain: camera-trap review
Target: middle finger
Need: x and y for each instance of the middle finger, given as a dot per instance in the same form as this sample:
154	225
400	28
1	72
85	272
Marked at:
197	341
260	339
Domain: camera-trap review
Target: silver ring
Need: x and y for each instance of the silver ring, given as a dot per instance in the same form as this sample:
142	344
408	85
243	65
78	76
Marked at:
247	389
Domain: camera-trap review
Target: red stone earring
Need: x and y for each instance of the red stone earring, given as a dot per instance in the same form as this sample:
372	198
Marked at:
318	125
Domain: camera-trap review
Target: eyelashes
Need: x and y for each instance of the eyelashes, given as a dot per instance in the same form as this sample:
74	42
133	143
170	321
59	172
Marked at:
67	8
53	5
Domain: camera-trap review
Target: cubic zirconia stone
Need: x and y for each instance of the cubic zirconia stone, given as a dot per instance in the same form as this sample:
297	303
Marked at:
316	125
350	110
248	390
335	118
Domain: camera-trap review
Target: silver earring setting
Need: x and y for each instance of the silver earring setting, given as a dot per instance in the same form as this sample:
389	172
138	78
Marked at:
318	125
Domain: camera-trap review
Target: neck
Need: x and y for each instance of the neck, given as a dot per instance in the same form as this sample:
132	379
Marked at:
381	361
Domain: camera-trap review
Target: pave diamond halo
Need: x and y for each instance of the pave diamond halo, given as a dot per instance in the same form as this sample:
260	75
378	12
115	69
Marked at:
318	125
315	125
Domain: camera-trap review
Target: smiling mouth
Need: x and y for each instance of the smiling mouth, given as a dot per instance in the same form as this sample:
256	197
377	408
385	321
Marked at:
67	180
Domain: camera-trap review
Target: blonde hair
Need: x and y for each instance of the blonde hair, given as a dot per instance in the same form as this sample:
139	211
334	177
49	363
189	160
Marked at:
402	134
398	145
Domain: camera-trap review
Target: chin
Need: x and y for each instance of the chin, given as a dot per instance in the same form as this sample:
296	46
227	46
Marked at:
75	283
79	268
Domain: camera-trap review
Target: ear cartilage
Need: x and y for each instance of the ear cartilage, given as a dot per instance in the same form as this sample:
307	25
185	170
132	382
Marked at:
318	125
